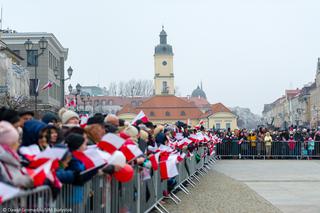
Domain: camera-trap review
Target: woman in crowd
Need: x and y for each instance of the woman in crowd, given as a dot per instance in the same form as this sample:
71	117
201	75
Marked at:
10	167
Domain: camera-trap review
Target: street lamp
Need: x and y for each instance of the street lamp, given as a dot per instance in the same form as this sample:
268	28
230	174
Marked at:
84	99
59	76
76	93
43	44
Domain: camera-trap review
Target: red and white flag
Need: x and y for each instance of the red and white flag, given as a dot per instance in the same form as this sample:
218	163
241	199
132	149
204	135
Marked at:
29	152
141	116
43	172
154	159
47	85
164	148
90	158
7	192
110	143
168	169
131	151
37	158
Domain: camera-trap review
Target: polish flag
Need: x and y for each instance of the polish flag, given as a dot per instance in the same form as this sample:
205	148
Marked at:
72	103
201	122
181	157
29	152
90	158
7	192
41	157
200	137
164	148
110	143
179	136
154	148
43	172
193	138
168	169
141	116
131	152
184	142
154	159
47	85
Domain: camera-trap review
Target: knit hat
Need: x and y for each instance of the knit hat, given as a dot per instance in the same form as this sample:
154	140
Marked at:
74	141
66	115
131	131
96	119
31	130
49	117
8	134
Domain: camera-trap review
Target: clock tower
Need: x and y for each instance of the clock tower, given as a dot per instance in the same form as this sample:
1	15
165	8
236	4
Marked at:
163	67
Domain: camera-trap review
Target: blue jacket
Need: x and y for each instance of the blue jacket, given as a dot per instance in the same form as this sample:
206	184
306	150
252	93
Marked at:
78	168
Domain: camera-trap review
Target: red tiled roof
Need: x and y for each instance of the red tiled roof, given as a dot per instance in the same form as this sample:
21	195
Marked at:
166	108
219	107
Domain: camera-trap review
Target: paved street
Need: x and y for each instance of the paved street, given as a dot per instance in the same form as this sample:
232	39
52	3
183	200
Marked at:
290	185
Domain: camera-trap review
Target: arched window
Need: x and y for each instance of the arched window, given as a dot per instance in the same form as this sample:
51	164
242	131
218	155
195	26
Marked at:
183	113
110	102
152	113
167	113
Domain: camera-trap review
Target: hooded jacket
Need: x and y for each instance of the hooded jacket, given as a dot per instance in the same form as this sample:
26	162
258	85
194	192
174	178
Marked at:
11	170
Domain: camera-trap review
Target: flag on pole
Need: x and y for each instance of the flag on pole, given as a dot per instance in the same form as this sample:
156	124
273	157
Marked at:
141	116
47	85
110	143
7	192
90	158
154	159
168	169
40	174
131	151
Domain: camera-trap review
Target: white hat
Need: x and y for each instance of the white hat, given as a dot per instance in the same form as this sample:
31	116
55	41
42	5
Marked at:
65	115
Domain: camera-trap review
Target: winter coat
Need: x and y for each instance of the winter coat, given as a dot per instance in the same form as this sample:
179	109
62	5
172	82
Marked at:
11	170
292	144
78	167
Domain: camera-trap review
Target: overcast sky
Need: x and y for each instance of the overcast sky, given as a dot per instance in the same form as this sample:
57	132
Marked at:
245	52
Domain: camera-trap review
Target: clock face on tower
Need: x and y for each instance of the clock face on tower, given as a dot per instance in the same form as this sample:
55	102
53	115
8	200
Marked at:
164	63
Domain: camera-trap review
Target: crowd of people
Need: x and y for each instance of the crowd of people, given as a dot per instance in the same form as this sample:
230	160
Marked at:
75	150
262	141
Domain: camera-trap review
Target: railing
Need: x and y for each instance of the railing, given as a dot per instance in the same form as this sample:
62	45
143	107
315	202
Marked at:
277	150
105	194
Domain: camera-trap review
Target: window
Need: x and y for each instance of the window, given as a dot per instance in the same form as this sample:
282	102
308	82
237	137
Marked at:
183	113
167	113
164	87
32	58
152	113
110	102
228	125
218	126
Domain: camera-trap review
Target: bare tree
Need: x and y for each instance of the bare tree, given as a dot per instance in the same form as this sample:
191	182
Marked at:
19	102
113	89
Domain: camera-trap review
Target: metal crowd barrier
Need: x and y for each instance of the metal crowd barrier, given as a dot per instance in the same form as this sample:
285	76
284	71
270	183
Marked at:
278	150
39	199
105	194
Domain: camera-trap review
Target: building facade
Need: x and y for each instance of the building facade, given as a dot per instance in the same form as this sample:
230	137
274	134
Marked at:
300	107
165	107
163	67
53	57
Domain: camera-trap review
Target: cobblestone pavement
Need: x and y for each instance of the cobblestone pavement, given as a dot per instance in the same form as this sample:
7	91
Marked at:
218	193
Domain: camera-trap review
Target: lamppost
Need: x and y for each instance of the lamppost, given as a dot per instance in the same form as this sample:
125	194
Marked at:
84	99
78	91
43	44
60	76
